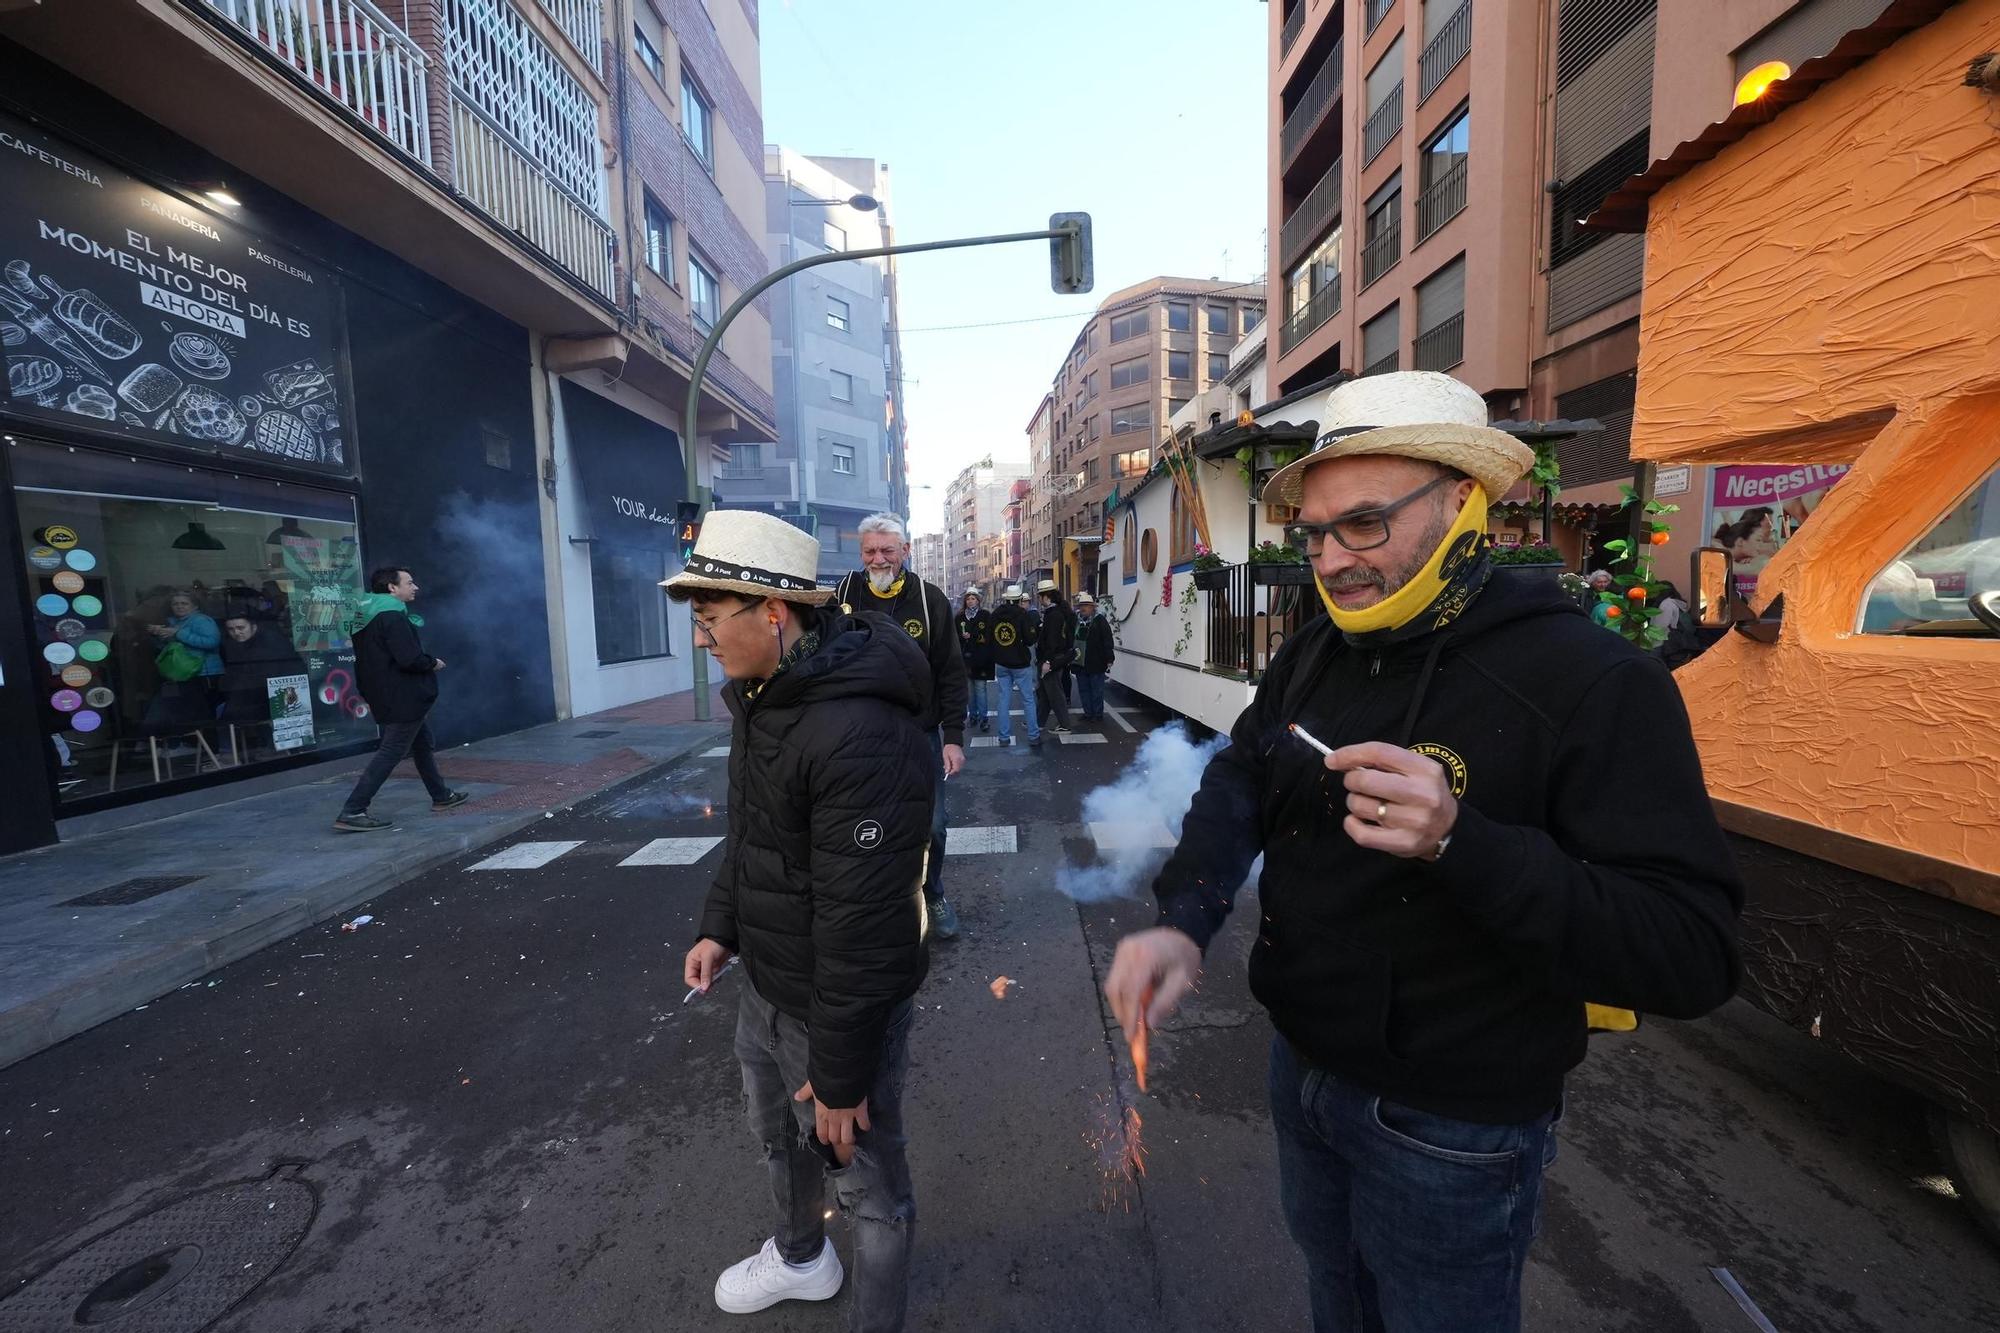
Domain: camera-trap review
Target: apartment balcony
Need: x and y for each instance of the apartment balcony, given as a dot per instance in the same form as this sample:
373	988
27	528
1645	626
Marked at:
1323	305
1443	347
1443	201
1312	217
1384	123
1377	11
582	21
1295	23
1382	365
1381	253
1444	51
1320	94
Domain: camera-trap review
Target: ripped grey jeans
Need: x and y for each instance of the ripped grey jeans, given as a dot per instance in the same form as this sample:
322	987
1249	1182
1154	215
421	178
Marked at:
873	1191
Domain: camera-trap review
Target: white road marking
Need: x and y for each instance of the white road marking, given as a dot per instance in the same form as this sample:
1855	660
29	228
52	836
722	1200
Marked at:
1118	715
672	852
719	752
1080	738
981	742
527	855
979	840
1144	836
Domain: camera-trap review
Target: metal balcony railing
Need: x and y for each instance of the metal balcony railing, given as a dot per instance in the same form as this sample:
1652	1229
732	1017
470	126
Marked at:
496	176
1442	347
1295	23
1249	621
1384	122
1443	201
1323	305
1382	365
1377	11
1444	51
503	67
1380	255
582	21
1313	103
350	51
1313	215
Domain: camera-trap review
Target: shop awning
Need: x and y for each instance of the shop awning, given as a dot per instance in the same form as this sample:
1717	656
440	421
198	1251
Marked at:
631	471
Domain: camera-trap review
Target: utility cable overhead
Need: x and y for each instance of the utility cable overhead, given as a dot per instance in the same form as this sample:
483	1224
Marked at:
1257	285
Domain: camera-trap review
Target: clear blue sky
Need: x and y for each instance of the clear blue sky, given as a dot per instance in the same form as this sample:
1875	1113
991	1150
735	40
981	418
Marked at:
1147	114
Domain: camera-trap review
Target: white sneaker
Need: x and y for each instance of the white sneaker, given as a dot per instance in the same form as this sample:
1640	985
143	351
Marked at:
764	1279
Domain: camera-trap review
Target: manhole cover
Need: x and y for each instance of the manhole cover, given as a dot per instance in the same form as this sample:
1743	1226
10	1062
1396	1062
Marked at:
177	1269
133	891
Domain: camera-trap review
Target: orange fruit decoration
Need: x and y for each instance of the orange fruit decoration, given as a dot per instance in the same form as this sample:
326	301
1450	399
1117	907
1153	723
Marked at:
1636	594
1659	539
1612	613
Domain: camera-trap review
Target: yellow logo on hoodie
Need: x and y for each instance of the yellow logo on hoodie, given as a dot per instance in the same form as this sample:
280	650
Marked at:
1454	767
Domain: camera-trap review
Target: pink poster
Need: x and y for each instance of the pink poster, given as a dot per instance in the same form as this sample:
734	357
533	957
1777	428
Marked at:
1753	511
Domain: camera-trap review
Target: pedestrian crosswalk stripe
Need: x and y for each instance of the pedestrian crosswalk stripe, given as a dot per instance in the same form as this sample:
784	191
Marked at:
1141	836
1080	738
978	840
982	742
719	752
672	852
1117	715
527	855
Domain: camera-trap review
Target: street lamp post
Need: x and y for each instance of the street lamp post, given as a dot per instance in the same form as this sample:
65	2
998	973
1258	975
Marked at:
1070	272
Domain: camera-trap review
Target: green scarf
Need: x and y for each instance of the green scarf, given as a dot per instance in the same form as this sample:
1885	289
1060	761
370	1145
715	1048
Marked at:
373	604
806	646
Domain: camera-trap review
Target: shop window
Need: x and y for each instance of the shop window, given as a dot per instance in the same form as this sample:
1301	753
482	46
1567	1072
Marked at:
188	621
1931	585
629	607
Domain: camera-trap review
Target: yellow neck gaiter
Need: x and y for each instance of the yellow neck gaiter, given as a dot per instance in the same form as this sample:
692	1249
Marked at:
895	589
1431	585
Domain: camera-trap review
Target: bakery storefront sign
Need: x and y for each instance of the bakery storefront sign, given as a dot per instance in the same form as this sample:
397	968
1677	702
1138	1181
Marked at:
126	309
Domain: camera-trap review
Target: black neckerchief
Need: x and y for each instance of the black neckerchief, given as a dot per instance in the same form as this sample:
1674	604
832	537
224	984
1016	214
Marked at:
806	646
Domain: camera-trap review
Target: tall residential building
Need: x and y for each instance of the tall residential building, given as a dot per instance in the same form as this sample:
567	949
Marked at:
1424	207
1038	547
974	510
927	559
420	280
836	359
1147	350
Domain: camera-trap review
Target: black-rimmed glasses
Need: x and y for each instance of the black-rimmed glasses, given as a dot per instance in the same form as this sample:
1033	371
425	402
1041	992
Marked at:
705	629
1362	530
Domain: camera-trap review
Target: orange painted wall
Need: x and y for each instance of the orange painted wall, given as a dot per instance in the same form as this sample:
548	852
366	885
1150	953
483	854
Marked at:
1840	261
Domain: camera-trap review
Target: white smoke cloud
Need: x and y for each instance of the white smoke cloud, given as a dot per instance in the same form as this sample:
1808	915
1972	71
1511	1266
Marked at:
1156	789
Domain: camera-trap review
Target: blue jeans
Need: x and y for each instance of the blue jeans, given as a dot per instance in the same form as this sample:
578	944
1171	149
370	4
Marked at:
1023	679
1409	1222
873	1190
976	694
1090	684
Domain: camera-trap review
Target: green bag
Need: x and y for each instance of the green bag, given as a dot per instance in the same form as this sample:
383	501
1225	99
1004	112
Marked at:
177	661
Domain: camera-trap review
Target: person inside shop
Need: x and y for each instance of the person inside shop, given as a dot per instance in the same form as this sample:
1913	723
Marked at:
1600	581
188	660
254	653
1014	629
830	790
398	679
1461	863
1055	648
1093	656
975	646
886	584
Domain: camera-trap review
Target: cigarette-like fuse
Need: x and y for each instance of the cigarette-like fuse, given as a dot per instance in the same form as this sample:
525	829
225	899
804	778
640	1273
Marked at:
1311	740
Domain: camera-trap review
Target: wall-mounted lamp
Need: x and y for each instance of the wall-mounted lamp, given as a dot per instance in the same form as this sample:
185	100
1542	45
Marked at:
1759	80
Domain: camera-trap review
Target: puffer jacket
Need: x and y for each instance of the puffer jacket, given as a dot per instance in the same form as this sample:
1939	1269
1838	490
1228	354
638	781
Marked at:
831	779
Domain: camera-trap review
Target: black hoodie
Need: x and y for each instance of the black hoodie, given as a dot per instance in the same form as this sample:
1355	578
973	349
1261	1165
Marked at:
1585	865
925	614
831	775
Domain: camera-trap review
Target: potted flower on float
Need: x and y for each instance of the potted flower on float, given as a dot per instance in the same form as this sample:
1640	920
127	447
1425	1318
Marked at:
1211	571
1536	560
1278	566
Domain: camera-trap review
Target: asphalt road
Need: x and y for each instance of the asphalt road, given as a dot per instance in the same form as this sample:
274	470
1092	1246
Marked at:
510	1121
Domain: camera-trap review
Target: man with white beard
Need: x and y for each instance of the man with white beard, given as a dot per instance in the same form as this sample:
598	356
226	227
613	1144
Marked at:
884	584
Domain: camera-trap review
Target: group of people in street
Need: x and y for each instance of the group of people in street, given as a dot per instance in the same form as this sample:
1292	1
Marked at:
1041	654
1451	887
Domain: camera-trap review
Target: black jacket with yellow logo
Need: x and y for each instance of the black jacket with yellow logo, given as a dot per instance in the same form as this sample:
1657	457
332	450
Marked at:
1586	864
925	614
1013	633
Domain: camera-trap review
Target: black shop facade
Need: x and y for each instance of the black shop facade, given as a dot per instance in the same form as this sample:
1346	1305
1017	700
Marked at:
220	413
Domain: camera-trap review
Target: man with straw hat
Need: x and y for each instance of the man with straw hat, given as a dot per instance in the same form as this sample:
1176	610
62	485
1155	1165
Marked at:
1478	813
1014	631
1055	648
821	892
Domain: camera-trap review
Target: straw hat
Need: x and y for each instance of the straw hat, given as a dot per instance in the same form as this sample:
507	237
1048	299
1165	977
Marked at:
1013	593
1085	599
972	592
1047	585
1409	414
757	555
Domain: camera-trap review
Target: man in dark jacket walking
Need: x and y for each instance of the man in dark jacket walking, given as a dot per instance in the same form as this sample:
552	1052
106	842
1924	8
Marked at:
820	891
1014	629
1473	859
1093	655
1055	648
975	647
399	681
886	585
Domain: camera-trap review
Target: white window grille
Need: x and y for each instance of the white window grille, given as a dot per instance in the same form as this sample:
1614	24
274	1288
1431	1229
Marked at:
503	69
582	21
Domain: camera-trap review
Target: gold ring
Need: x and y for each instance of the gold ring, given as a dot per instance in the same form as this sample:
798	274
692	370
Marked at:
1381	811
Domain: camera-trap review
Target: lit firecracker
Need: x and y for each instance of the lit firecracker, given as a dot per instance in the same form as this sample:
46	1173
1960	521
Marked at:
1121	1155
1139	1039
999	986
